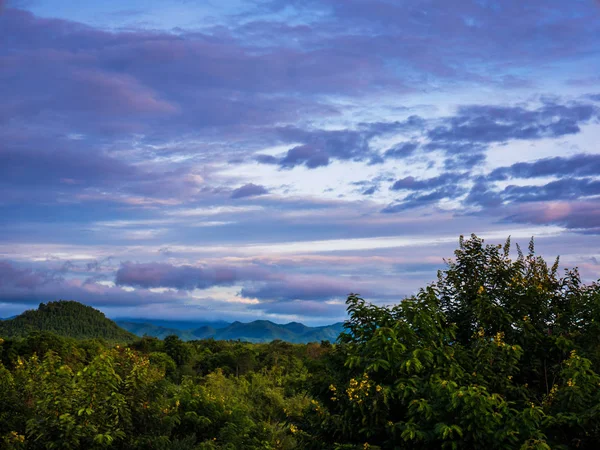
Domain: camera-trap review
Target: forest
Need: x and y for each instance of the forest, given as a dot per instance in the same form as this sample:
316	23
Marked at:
500	352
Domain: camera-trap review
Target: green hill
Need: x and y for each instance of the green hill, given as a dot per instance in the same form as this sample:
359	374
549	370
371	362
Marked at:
257	331
65	318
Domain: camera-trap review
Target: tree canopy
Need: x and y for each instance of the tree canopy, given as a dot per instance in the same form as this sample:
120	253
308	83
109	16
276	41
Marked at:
498	353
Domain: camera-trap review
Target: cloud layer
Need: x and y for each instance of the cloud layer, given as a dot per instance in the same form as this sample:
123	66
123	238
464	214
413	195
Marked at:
264	159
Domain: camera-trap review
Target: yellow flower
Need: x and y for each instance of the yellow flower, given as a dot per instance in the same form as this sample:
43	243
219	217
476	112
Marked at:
499	338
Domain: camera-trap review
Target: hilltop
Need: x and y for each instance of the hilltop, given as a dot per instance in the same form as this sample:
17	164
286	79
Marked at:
65	318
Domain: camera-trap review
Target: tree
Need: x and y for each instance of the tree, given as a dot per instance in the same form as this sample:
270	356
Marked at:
496	354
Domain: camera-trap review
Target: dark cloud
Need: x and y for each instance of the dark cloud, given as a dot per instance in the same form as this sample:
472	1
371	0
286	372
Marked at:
249	190
307	155
416	200
319	147
488	124
413	184
483	194
563	189
580	165
464	162
266	159
401	150
370	191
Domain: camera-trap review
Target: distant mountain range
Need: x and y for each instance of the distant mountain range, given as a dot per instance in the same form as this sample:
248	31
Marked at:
257	331
73	319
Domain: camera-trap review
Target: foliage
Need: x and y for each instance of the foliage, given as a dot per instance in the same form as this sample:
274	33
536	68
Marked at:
65	318
498	354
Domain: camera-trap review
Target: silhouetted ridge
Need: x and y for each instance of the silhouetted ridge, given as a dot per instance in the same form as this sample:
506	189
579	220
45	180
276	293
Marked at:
257	331
65	318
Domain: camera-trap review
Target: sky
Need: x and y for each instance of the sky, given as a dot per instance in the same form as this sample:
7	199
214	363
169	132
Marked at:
262	159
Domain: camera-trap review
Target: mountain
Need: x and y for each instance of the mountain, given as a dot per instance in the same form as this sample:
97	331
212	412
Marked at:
176	324
65	318
149	329
257	331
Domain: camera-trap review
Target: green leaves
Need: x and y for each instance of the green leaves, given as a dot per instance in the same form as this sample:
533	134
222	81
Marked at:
487	357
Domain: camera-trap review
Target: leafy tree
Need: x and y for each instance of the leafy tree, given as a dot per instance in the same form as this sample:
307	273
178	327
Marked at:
497	354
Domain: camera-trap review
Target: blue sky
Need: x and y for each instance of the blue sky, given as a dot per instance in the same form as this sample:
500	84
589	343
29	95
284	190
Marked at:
262	159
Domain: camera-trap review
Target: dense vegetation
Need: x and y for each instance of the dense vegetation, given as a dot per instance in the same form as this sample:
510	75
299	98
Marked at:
497	354
256	331
65	318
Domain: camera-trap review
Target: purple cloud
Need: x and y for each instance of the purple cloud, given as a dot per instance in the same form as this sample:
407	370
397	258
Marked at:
579	165
137	139
153	275
256	282
27	286
249	190
401	150
488	124
580	215
412	184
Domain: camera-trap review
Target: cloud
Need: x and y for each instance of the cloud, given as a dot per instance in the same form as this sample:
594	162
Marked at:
256	282
301	288
464	162
563	189
579	165
484	194
370	190
487	124
412	184
25	285
303	308
417	200
580	215
401	150
249	190
154	275
320	147
307	155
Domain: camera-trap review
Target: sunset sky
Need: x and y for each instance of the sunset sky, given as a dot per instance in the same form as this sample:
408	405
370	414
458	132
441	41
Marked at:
261	159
